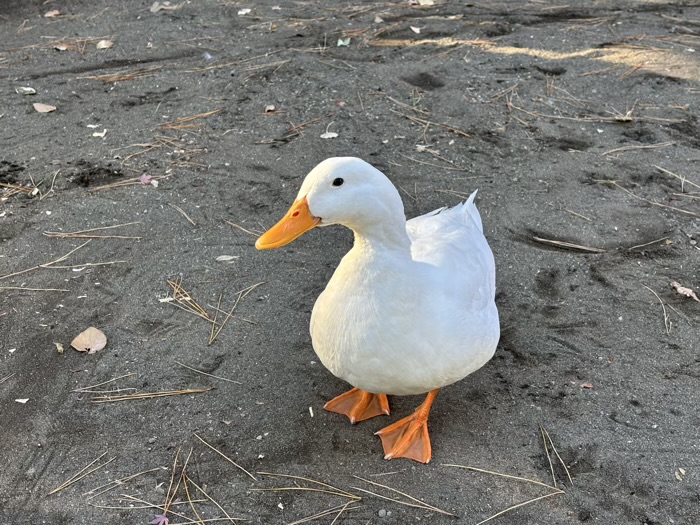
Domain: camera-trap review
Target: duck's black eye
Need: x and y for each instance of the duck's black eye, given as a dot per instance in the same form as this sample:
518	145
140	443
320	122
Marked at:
338	182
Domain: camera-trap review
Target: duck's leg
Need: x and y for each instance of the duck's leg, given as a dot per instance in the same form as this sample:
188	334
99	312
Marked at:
359	405
408	438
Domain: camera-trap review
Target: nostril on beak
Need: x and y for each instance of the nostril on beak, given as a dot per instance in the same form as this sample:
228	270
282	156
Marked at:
295	214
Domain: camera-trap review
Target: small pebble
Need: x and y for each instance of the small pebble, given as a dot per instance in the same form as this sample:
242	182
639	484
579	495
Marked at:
152	440
382	513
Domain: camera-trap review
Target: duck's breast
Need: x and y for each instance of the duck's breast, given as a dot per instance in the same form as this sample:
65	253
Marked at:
400	326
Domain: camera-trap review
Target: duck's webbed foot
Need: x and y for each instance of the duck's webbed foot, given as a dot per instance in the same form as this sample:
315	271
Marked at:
408	437
359	405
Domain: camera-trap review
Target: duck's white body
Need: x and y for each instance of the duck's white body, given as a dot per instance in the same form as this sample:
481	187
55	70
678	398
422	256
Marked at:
410	307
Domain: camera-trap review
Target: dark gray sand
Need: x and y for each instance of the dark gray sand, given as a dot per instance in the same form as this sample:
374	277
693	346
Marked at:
577	123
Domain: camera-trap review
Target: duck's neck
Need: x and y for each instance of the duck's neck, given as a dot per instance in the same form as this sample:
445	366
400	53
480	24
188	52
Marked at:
389	235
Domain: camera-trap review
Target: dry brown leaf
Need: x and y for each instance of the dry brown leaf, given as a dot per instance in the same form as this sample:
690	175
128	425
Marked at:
688	292
53	13
43	108
104	44
91	340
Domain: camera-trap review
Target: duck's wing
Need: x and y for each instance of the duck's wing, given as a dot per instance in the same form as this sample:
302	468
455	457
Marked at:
451	240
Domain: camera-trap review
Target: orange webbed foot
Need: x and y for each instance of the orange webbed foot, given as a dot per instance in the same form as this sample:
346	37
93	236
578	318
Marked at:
408	437
359	405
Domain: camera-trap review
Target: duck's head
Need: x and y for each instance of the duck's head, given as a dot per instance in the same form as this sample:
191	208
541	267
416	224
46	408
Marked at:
340	190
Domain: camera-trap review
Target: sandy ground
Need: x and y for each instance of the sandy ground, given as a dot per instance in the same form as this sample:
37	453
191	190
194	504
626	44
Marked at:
576	124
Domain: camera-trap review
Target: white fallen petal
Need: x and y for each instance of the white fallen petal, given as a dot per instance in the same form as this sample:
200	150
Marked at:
415	29
23	401
104	44
329	135
25	90
226	258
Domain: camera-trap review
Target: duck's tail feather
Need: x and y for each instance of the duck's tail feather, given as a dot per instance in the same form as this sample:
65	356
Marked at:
470	208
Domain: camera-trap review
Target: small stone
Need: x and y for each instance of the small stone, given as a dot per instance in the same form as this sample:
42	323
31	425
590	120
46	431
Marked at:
382	513
151	440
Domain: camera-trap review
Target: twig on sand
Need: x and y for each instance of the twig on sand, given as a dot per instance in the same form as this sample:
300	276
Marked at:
549	458
428	123
176	207
148	505
241	295
6	378
408	106
417	503
200	489
46	265
667	320
183	480
128	182
170	495
33	289
547	438
450	168
227	458
333	490
629	148
93	493
208	375
518	505
149	395
182	299
83	473
681	178
653	203
339	510
252	233
293	132
85	389
616	117
187	122
126	75
567	245
578	215
259	67
509	476
555	491
647	243
83	234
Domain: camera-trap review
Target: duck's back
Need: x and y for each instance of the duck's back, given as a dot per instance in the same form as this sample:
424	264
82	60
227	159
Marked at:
452	240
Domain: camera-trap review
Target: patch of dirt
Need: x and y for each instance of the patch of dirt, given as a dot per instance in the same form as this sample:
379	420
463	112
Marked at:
523	100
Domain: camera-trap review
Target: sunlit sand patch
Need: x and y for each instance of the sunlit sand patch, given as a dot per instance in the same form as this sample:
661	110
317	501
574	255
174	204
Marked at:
665	62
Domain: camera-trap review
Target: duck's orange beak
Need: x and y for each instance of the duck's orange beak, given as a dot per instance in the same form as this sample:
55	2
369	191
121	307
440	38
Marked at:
296	222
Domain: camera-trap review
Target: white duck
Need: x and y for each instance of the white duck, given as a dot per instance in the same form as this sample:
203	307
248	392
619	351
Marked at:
410	308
